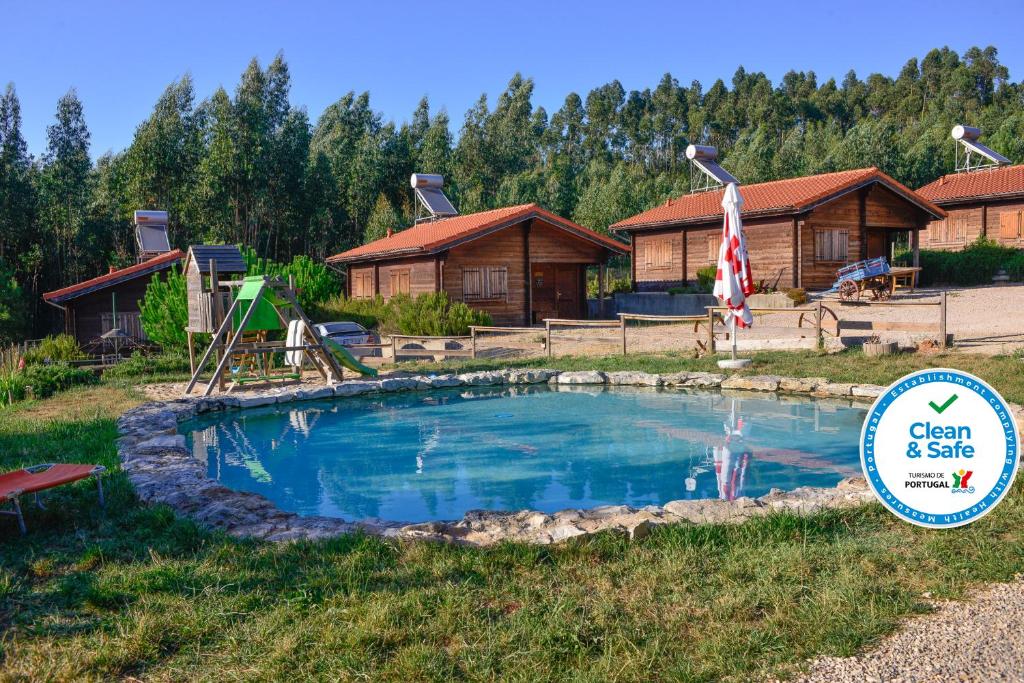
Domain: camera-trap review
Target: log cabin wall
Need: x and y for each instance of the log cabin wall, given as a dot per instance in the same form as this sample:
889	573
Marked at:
794	250
660	254
85	313
406	276
1000	221
503	249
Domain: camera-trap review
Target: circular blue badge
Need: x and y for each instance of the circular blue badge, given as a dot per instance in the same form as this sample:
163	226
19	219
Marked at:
939	448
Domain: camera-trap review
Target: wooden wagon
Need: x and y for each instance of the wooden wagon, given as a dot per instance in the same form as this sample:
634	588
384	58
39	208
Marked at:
873	275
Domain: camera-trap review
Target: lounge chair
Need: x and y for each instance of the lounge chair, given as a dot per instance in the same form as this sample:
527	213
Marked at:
38	478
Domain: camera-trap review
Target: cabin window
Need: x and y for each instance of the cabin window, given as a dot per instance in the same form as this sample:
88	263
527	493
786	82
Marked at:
714	246
485	282
659	254
362	284
1011	224
953	229
400	281
831	245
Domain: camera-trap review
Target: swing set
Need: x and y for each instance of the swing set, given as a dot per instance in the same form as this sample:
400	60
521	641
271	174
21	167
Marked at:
264	335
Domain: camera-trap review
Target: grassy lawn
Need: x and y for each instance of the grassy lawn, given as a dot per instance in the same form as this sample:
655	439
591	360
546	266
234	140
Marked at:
136	592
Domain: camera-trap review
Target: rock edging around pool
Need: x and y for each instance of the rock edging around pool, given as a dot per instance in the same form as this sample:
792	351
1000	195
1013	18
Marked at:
163	471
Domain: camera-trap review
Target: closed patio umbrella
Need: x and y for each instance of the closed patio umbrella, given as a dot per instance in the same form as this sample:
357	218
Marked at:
734	281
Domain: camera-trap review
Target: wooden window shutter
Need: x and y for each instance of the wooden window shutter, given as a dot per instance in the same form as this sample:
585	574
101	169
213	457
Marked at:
400	281
497	281
648	250
472	283
831	245
714	244
1009	225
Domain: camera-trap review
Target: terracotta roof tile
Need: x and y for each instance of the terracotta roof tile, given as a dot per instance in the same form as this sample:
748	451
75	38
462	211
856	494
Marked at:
114	277
776	197
430	236
990	182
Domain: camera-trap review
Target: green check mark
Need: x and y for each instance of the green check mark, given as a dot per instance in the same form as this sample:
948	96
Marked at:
942	408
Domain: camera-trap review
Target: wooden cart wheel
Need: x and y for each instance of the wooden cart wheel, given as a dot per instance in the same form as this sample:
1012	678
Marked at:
883	292
848	290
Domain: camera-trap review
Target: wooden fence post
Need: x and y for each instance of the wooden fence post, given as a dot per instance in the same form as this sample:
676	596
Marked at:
472	334
622	324
817	325
711	330
547	335
942	321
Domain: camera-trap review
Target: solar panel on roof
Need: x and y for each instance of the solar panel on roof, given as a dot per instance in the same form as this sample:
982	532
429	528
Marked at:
435	201
968	137
153	238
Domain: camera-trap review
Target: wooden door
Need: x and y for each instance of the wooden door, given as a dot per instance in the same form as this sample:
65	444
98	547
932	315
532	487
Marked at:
877	243
567	294
542	281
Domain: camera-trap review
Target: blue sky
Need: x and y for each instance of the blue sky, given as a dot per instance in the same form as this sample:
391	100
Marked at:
121	55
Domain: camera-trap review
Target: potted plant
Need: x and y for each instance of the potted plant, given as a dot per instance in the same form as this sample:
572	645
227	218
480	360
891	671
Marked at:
874	346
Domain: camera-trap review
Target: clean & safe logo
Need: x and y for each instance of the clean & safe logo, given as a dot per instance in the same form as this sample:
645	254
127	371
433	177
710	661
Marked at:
940	448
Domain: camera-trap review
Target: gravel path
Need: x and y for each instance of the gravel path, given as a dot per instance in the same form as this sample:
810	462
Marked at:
974	640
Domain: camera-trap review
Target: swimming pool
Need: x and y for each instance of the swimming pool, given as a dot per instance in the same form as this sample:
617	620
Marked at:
418	457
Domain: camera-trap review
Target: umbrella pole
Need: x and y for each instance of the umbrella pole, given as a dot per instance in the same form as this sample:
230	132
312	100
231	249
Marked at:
734	337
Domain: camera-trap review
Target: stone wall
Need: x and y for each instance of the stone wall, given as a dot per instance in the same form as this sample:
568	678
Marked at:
162	470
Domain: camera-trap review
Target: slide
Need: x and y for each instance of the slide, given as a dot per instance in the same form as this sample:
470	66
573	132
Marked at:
346	359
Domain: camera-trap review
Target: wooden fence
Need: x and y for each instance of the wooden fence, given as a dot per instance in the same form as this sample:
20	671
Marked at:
937	328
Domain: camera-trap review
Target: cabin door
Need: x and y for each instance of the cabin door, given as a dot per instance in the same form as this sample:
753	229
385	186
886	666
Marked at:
555	291
567	292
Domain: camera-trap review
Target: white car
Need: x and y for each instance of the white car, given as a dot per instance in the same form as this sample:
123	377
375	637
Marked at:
347	333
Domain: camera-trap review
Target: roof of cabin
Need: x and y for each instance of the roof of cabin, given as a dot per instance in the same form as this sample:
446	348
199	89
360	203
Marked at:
778	197
1001	181
432	236
115	277
228	257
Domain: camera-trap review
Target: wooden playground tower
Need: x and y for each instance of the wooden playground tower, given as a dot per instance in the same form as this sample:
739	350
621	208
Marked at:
260	307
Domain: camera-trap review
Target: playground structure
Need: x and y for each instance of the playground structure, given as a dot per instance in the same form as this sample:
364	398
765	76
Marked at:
262	336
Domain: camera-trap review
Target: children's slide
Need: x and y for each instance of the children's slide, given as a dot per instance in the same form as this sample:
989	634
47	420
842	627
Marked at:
346	359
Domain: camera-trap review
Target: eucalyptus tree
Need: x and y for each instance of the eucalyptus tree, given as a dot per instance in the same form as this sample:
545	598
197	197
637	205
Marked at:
64	186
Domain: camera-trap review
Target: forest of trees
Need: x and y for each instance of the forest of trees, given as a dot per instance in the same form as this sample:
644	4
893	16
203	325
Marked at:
251	167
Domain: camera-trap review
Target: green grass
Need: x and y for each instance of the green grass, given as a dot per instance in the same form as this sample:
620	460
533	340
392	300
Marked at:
136	592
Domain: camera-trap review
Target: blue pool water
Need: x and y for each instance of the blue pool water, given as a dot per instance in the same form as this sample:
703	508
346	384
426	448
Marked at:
433	456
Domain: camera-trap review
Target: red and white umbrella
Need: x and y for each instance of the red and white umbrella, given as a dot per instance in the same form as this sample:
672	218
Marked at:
734	281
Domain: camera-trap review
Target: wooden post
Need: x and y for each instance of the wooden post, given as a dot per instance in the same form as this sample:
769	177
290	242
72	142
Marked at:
527	274
942	321
213	345
547	336
217	308
817	324
602	272
622	324
472	334
191	351
915	245
711	330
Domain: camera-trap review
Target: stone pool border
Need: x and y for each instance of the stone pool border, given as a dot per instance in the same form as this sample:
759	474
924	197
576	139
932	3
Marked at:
163	471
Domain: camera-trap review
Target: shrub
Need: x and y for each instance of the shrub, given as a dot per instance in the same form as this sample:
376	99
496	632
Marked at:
706	278
47	380
435	315
54	349
315	283
169	362
615	286
370	313
164	310
432	314
975	265
797	296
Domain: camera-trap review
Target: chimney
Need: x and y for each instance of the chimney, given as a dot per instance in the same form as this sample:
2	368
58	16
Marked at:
390	232
112	270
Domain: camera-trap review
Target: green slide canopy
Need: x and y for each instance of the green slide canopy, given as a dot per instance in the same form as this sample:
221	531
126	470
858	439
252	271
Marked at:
265	316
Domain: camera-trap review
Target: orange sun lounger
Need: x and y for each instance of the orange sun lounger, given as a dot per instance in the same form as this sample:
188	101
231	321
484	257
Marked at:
39	478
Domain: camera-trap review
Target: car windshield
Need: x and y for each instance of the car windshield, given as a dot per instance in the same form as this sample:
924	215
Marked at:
342	328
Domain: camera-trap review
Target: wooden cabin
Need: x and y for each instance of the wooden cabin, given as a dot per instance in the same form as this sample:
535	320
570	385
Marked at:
522	264
89	307
799	231
986	203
